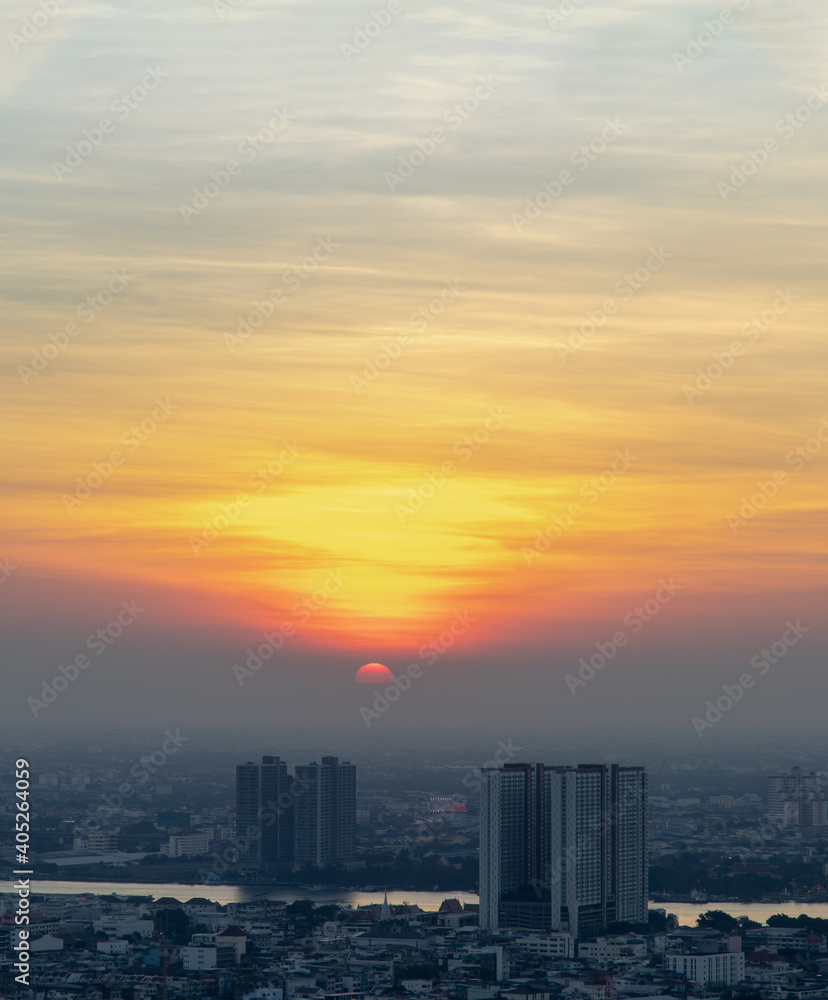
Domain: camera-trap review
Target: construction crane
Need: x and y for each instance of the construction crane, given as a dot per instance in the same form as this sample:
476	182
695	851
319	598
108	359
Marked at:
164	955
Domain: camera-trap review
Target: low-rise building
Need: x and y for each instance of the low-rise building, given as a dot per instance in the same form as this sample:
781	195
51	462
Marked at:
49	942
198	958
122	926
234	936
192	844
554	945
721	967
120	946
613	949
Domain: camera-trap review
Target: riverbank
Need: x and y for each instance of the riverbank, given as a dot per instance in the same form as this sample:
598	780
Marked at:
224	894
686	912
186	876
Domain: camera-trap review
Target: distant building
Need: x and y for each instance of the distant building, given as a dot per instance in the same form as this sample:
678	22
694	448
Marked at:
775	938
264	814
325	812
452	813
440	803
796	799
306	819
187	845
725	801
102	840
563	848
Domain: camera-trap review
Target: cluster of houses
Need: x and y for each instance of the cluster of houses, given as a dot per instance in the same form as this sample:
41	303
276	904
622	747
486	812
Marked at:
132	948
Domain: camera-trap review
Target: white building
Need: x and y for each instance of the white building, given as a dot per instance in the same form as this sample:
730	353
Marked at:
417	986
232	936
613	949
95	841
188	845
721	967
46	943
121	926
118	947
198	958
777	938
554	945
103	840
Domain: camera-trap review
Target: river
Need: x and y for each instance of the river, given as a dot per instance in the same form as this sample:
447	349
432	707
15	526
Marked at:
238	893
686	912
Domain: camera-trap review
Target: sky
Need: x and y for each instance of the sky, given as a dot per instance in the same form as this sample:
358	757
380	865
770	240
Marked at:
476	339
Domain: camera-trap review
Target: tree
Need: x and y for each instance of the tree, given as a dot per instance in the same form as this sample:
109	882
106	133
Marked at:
304	911
717	920
300	909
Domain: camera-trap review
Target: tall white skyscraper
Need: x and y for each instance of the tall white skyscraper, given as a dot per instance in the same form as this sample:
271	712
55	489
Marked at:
563	848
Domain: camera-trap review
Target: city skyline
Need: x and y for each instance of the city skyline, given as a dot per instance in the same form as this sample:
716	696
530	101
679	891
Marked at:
412	563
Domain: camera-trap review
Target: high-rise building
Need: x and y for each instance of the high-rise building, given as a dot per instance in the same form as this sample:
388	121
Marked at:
563	848
629	871
325	812
247	813
796	799
264	814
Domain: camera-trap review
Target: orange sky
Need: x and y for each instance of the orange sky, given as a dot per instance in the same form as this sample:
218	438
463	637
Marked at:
331	454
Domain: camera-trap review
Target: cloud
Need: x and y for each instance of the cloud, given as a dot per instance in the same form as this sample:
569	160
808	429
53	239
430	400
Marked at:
350	122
